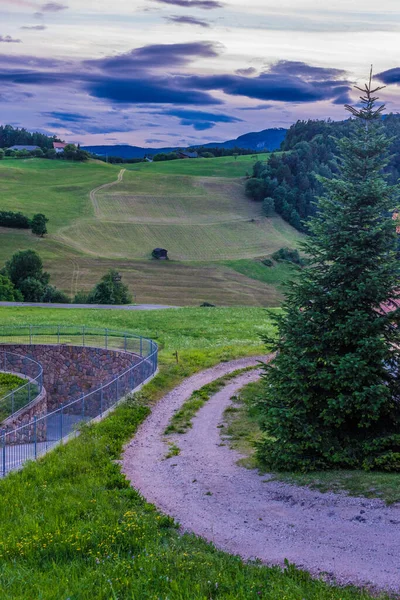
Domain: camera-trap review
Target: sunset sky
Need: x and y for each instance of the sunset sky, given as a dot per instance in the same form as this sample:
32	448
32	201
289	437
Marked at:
179	72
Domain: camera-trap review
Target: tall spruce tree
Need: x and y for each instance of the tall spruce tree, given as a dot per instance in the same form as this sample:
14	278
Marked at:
332	394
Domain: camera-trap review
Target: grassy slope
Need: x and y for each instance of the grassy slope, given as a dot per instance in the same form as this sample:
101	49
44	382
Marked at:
70	526
225	166
202	218
243	431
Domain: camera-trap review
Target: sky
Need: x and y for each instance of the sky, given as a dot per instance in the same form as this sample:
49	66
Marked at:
182	72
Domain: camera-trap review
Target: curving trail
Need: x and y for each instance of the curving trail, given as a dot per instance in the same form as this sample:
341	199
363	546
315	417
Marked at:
103	187
350	540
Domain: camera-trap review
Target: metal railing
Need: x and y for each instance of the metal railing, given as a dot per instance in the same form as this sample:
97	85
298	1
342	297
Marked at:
21	396
33	439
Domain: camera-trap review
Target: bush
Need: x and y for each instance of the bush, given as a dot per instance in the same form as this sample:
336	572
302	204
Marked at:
267	262
14	219
255	189
8	292
52	294
288	254
32	289
39	224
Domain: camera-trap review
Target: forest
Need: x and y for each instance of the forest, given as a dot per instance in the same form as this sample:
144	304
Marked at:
290	182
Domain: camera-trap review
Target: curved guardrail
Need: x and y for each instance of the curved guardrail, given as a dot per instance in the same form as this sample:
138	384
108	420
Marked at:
41	434
30	369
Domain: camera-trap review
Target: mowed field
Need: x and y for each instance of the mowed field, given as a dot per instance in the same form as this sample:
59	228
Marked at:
205	221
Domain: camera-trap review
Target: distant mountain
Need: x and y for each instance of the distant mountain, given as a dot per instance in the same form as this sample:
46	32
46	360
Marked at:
269	139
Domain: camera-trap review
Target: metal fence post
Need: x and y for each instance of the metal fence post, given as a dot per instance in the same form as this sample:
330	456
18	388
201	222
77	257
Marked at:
125	343
58	334
106	338
101	400
83	407
30	334
35	434
61	421
141	346
12	403
83	335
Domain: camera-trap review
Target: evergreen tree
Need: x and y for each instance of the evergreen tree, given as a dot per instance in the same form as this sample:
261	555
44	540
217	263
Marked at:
332	394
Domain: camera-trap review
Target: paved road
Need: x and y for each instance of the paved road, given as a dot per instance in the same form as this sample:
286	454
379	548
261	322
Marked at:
103	306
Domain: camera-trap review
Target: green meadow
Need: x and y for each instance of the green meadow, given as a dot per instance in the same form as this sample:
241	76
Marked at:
196	209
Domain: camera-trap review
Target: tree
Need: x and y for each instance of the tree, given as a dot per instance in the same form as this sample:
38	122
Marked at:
8	292
32	289
52	294
255	189
39	224
332	394
110	290
268	207
26	264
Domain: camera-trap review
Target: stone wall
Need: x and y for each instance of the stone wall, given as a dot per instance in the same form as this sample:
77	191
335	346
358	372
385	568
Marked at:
36	408
71	371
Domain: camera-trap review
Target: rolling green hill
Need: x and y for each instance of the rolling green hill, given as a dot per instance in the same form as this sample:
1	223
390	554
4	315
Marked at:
96	222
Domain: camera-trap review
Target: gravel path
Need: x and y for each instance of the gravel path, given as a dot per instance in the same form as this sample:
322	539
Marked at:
351	540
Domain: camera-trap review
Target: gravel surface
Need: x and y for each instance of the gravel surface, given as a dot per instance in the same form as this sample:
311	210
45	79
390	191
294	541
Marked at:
350	540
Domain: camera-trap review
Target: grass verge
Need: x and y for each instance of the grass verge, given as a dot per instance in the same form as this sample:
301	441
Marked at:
182	419
243	430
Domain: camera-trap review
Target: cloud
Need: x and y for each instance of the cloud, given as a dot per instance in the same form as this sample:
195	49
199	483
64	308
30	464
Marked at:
390	76
155	141
204	4
35	27
7	39
154	90
197	115
159	74
246	72
258	107
157	56
307	72
53	7
66	116
187	21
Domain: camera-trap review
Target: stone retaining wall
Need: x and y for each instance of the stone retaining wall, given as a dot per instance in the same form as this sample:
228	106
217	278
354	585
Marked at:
36	408
70	371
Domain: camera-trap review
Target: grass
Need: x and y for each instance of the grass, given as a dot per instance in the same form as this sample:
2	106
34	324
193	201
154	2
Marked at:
8	383
181	421
278	274
224	166
72	528
196	209
243	431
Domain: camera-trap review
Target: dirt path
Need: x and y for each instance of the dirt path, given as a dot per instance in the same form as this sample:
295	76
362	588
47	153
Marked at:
93	193
351	540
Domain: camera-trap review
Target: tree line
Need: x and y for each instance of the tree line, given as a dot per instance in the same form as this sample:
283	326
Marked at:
290	182
23	279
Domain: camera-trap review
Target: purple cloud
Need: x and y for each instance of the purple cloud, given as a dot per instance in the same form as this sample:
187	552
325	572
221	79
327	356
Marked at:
7	39
204	4
187	21
156	56
53	7
246	72
389	76
307	72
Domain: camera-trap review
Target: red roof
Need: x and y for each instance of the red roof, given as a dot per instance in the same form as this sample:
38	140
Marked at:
390	306
59	145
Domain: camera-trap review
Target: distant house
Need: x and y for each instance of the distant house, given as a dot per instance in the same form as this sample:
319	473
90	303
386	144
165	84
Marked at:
187	154
160	254
59	146
22	147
